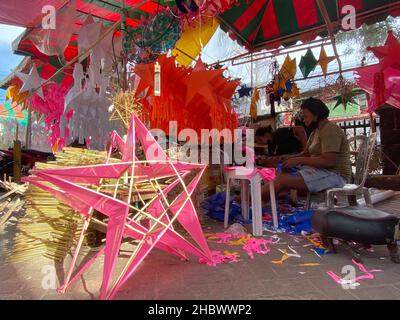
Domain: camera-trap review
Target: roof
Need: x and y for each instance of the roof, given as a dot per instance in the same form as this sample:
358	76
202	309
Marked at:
107	11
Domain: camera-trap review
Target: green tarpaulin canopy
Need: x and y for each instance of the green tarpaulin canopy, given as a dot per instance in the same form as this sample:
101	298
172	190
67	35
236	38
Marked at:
269	24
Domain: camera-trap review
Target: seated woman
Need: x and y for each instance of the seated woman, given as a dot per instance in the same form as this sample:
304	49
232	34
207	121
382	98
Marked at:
325	163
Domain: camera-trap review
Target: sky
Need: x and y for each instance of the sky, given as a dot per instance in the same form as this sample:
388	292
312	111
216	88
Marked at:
8	60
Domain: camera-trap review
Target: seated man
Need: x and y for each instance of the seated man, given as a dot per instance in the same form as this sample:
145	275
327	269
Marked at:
284	141
325	163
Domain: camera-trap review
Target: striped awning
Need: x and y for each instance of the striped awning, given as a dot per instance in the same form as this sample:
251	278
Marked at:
259	24
108	11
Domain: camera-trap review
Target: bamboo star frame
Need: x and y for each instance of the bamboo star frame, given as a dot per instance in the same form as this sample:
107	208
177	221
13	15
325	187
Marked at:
111	188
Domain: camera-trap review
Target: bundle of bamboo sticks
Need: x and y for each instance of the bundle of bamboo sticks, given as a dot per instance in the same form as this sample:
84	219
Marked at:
49	227
10	201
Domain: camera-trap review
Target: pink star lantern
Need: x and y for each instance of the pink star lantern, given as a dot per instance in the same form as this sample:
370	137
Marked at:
389	53
152	224
365	79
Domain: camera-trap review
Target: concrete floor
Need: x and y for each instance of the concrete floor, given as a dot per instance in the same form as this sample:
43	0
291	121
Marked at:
162	276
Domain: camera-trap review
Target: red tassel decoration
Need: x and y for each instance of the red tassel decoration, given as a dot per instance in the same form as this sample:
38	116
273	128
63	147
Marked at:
379	88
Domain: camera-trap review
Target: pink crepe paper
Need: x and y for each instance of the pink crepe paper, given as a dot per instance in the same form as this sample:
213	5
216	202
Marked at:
217	258
254	245
367	274
268	174
52	107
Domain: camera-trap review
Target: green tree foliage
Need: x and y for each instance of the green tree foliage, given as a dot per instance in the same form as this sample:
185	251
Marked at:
356	42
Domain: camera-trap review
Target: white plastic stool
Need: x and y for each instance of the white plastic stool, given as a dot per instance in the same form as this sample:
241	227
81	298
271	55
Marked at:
256	202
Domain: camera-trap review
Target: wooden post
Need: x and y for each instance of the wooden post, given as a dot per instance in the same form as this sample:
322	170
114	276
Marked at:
372	123
390	131
16	130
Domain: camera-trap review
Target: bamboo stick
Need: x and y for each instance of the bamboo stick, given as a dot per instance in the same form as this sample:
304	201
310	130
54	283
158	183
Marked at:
10	211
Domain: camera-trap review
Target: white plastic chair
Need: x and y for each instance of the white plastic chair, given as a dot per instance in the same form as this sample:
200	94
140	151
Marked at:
351	191
242	173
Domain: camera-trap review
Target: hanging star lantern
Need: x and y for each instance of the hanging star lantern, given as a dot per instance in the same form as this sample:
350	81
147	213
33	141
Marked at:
253	104
288	69
87	35
345	93
197	98
124	104
388	56
13	94
389	53
244	91
199	82
31	81
324	60
150	224
388	92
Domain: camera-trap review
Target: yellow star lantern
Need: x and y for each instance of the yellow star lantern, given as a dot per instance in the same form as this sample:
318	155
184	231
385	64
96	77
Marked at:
253	104
324	60
124	104
279	83
13	94
295	91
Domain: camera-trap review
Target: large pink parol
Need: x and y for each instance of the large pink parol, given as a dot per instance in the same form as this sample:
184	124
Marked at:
382	81
84	189
365	79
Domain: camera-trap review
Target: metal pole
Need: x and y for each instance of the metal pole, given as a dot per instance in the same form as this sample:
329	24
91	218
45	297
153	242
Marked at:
28	132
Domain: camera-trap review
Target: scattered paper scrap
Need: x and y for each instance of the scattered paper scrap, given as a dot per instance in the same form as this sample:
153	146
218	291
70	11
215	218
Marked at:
367	275
217	258
283	259
257	245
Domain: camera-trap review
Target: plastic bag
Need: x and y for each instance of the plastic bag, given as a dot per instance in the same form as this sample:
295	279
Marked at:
236	229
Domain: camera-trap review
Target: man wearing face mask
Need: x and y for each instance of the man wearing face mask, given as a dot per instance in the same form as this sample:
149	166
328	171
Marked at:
325	163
